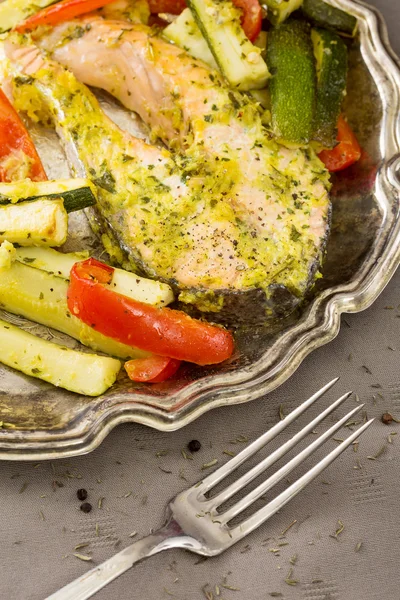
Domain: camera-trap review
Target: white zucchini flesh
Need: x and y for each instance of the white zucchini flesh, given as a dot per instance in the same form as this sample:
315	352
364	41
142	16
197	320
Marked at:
185	33
13	12
7	255
238	59
280	10
123	282
42	223
41	297
78	372
76	193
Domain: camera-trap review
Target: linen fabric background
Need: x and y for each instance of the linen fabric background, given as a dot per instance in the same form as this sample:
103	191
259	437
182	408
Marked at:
344	544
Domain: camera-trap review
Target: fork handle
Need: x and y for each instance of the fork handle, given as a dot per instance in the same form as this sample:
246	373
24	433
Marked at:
169	536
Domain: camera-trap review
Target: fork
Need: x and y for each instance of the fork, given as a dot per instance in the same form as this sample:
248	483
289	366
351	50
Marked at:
194	522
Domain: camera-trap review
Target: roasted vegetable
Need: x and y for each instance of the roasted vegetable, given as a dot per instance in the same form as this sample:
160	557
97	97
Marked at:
76	193
163	331
60	12
324	15
13	12
280	10
331	58
40	223
78	372
123	282
153	369
42	297
239	60
346	153
18	156
185	32
290	59
7	255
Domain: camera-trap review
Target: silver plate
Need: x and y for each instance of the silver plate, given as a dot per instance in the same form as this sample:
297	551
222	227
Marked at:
44	422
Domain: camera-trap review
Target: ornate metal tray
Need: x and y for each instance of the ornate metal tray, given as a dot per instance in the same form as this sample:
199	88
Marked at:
40	421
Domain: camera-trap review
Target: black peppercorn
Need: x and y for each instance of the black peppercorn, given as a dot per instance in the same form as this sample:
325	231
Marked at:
82	494
387	418
86	507
194	445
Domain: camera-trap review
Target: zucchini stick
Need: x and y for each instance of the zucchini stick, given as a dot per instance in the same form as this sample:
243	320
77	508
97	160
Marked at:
78	372
279	10
76	193
123	282
239	60
42	223
290	58
324	15
185	32
331	60
41	297
13	12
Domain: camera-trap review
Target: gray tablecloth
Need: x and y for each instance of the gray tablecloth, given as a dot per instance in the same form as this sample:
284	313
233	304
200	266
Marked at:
136	470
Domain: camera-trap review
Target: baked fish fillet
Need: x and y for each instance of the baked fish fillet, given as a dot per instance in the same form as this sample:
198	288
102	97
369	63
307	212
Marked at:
236	230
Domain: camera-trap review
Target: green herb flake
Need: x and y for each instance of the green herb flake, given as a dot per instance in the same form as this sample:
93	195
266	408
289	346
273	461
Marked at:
106	181
185	455
338	531
23	487
295	235
228	453
289	527
82	556
82	545
289	580
209	464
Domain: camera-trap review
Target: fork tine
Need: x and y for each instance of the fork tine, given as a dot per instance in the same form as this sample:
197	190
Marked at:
214	478
277	503
261	489
240	483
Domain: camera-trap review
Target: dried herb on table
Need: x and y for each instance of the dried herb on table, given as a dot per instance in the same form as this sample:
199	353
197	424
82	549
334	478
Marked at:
289	579
338	531
209	464
288	527
82	556
358	547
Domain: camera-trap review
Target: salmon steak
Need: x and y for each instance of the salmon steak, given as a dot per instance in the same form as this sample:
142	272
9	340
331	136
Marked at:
234	221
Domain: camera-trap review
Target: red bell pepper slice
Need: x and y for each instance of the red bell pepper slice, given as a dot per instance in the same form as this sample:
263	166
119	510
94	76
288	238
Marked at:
153	369
16	142
163	331
251	19
346	153
62	11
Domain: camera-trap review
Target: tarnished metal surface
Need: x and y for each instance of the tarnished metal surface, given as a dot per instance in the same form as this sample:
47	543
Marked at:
40	421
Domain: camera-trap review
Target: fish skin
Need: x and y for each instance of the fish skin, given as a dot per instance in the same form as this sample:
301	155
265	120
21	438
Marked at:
196	274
